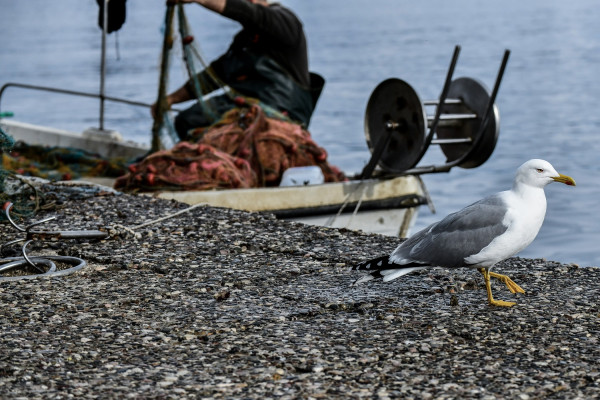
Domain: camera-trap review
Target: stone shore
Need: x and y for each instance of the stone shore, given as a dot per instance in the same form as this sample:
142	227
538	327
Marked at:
223	304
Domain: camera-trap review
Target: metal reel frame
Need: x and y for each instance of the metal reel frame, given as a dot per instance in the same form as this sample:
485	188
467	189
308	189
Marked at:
396	123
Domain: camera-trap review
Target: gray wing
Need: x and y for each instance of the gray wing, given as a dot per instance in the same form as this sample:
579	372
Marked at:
448	242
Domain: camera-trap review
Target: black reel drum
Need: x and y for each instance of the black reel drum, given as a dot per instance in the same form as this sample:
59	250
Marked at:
395	109
396	114
458	133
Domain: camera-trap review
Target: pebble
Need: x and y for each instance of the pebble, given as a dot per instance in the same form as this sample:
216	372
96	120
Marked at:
217	303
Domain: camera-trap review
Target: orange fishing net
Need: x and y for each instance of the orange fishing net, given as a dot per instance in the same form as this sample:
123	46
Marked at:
244	149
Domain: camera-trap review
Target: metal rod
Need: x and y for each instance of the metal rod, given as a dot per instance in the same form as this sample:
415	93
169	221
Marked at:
451	120
451	117
442	99
378	151
451	141
429	169
70	92
188	51
436	102
492	99
488	112
103	61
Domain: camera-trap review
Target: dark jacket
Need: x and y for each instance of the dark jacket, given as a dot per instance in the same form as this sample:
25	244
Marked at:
267	60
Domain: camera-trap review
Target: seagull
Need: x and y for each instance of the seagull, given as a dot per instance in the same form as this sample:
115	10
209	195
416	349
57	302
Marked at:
478	236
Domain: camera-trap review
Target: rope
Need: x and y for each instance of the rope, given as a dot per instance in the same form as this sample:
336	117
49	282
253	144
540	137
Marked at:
331	220
168	216
188	46
122	230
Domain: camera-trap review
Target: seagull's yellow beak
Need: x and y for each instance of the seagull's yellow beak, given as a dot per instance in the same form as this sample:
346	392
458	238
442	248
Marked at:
567	180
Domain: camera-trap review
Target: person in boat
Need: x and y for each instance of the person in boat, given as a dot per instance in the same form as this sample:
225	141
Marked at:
267	60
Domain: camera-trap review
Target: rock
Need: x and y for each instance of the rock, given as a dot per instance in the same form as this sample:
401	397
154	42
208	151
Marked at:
217	303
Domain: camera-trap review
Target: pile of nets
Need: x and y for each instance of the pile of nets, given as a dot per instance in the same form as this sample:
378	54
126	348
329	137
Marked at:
244	149
60	163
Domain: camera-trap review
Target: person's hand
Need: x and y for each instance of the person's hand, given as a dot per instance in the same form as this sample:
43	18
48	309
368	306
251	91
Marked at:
154	107
153	110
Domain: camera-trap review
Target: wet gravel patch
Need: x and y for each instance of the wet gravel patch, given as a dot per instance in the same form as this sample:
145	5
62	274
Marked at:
217	303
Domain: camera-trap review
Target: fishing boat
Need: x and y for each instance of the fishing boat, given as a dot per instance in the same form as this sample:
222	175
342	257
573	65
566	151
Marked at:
383	198
384	206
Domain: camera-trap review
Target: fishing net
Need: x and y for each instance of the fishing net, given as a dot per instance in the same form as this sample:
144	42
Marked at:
19	161
245	149
60	163
6	143
11	188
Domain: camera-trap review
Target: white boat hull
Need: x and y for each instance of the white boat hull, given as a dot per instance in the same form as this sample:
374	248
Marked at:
386	207
105	143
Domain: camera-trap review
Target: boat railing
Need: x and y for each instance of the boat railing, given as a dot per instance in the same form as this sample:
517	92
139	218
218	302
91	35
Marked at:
70	92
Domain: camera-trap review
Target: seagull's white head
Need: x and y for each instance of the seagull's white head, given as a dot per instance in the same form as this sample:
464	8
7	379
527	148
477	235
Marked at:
538	173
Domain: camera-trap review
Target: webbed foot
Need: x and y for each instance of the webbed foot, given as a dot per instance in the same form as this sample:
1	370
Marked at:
513	287
501	303
510	284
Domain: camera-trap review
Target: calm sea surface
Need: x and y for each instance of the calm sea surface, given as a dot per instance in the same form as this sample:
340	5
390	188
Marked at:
548	101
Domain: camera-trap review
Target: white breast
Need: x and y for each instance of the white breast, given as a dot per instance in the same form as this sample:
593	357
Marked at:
524	218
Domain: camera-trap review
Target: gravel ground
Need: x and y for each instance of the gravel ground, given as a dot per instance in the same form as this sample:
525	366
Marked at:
216	303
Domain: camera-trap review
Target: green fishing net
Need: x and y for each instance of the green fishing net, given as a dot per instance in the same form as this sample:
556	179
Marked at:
19	162
6	143
11	188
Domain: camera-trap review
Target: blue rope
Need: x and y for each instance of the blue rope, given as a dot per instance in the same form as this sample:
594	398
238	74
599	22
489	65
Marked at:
189	52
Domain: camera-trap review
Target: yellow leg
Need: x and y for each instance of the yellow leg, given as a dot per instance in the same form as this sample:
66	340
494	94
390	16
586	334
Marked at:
510	284
488	286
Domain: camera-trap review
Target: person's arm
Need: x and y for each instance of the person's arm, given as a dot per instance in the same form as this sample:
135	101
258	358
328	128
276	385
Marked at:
214	5
179	96
183	93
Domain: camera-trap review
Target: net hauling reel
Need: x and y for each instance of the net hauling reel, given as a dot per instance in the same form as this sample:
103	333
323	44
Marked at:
465	125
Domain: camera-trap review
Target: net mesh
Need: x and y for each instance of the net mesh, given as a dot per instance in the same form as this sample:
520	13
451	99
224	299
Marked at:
6	143
11	188
245	149
20	161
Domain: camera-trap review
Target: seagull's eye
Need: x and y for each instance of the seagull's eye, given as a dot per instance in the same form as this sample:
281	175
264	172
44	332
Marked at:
540	170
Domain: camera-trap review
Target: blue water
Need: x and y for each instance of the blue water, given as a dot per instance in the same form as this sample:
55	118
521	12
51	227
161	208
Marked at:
548	100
